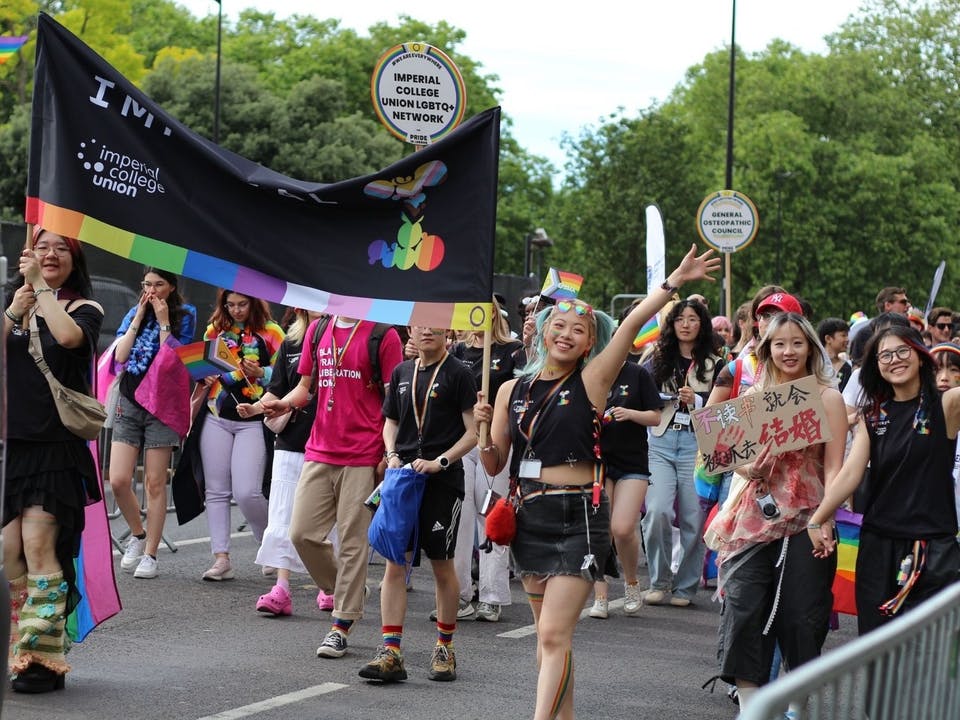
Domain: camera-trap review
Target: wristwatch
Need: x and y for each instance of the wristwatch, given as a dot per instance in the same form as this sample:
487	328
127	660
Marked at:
165	328
443	462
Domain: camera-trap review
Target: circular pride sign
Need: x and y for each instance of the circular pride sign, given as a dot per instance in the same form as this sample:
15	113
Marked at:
727	221
418	92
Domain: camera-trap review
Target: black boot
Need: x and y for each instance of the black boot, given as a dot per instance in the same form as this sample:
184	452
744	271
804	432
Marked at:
37	679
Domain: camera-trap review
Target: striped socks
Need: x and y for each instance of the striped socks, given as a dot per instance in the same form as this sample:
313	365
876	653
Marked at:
445	633
342	626
392	635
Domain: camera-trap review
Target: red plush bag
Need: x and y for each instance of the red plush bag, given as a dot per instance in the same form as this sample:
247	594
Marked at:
501	521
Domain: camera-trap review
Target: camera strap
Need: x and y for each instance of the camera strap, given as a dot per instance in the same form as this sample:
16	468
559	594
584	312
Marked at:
586	517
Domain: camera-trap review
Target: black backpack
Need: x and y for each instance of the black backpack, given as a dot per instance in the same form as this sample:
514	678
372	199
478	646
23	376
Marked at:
373	349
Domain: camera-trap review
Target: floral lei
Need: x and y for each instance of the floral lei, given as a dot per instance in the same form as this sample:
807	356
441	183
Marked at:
246	346
144	348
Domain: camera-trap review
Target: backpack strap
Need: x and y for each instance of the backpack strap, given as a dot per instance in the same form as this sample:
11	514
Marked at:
318	331
373	350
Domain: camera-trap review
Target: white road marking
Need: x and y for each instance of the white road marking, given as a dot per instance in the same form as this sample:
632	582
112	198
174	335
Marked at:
526	630
276	702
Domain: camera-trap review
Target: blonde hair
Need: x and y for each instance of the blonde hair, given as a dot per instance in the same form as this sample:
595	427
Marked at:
298	328
816	365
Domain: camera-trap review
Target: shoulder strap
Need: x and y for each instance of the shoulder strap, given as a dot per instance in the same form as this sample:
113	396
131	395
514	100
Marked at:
318	330
373	350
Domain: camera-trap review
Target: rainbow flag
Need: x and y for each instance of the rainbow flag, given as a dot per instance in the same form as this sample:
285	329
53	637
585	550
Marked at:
207	357
10	45
561	285
848	528
650	332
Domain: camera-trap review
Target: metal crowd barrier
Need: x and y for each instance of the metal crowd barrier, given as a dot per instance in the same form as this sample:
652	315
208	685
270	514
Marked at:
906	670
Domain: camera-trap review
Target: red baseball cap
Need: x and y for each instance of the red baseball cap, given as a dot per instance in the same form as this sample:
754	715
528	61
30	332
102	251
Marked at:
782	302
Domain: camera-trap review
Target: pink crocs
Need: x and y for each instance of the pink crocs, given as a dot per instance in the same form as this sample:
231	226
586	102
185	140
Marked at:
324	601
276	602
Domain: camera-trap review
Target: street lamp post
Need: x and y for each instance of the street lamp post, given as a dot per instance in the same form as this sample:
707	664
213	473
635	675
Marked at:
539	239
780	176
216	84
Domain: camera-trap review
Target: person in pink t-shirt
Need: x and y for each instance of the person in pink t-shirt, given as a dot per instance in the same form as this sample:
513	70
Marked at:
341	463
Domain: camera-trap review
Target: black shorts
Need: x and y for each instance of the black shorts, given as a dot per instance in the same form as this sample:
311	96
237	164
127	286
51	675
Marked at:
440	515
802	616
552	531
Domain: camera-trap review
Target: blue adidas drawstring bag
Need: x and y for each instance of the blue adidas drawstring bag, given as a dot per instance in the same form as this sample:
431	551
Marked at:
393	529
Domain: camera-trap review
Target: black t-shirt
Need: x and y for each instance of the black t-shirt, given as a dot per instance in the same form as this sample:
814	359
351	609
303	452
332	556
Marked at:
504	360
843	375
910	487
31	411
564	431
624	444
286	377
453	391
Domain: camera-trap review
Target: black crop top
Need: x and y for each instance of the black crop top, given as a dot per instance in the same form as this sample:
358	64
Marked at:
564	431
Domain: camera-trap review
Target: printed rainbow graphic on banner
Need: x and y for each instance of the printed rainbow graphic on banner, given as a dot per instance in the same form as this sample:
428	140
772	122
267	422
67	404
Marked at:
848	528
650	332
223	273
561	285
10	45
207	357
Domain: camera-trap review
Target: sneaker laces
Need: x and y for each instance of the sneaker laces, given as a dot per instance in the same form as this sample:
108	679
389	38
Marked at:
441	653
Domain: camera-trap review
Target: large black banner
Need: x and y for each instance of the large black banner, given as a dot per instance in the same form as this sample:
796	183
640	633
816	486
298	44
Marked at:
410	244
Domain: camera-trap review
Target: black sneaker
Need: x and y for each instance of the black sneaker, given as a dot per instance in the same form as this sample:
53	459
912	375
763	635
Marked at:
334	645
443	666
387	666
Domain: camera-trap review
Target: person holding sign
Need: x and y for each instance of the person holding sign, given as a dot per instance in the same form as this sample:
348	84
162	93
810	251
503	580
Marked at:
907	432
774	590
550	416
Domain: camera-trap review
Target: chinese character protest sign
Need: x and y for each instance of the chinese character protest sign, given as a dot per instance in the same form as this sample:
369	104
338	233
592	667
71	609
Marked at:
788	416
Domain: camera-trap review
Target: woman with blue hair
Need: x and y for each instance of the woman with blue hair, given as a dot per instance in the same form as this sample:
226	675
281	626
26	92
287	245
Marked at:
550	416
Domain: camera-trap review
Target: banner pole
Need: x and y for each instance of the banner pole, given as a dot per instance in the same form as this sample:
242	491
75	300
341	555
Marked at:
484	429
27	242
729	288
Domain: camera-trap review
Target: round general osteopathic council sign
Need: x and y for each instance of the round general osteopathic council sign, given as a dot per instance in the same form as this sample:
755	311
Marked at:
417	92
727	221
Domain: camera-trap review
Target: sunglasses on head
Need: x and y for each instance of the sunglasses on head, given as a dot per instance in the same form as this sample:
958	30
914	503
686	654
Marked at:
580	308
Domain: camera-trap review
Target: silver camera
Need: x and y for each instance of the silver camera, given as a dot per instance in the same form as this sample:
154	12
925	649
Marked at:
589	570
768	506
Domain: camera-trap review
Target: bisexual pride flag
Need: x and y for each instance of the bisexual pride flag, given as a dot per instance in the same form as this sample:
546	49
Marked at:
207	357
561	285
10	45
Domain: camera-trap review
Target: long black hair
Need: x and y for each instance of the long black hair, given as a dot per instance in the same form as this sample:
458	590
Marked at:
667	352
876	390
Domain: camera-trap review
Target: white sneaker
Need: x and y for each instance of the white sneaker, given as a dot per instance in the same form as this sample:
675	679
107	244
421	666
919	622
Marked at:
600	609
132	553
631	599
147	568
488	612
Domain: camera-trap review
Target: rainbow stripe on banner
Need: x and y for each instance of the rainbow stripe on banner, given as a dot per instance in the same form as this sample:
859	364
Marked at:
848	528
223	273
561	285
207	357
10	45
650	332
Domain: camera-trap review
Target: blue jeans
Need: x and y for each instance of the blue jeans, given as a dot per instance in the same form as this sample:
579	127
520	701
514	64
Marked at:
673	495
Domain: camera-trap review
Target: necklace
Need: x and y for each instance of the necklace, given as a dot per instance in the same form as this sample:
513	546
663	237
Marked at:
338	358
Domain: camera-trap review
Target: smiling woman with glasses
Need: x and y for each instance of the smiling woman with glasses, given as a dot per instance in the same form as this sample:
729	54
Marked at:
907	433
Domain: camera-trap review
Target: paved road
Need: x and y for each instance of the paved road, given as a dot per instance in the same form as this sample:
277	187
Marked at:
182	648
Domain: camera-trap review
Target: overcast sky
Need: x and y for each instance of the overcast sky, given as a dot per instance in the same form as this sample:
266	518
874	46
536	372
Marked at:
560	70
